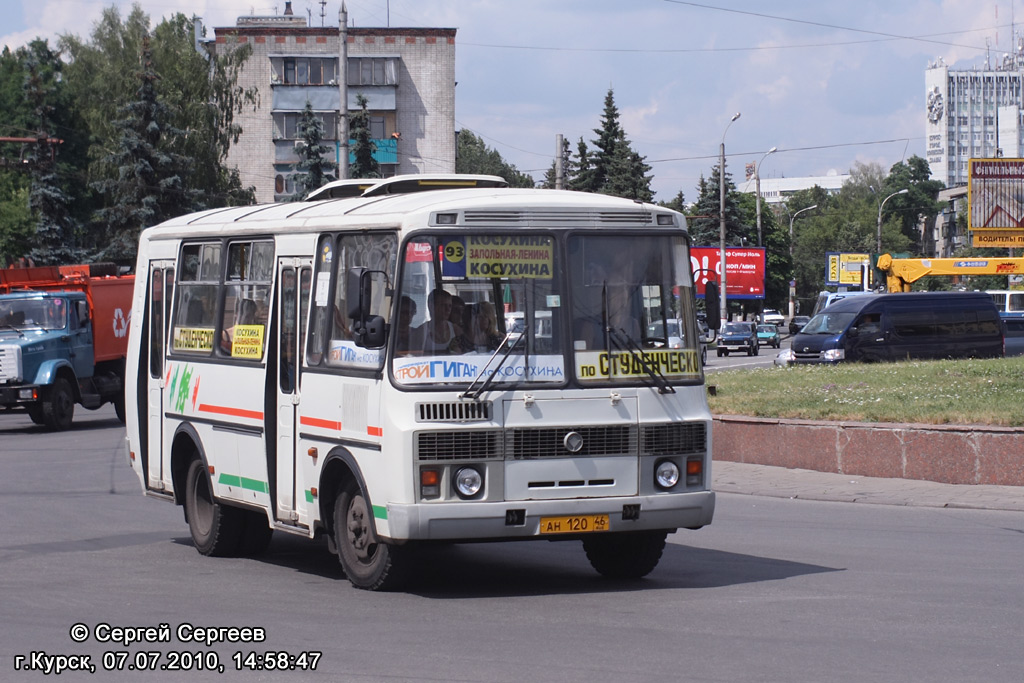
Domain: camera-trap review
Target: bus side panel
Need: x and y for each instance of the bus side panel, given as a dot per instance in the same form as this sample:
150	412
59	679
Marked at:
342	410
225	405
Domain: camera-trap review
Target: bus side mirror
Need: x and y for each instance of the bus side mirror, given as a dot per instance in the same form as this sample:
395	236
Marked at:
368	330
358	292
712	304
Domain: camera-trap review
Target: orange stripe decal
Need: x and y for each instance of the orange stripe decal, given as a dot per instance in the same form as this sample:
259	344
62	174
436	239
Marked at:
317	422
233	412
375	431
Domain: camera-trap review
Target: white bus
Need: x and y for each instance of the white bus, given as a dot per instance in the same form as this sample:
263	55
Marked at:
1010	302
294	368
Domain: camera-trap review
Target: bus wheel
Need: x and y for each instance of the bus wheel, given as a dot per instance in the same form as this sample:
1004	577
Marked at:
59	409
629	555
368	564
216	529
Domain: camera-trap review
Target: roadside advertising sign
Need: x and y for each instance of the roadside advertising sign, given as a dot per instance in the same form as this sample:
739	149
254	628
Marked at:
744	275
995	200
843	268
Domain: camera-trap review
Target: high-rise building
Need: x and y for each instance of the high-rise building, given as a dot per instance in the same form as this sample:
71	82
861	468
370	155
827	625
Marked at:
407	76
973	113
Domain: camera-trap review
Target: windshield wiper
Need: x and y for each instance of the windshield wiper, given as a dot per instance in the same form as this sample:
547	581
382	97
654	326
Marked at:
468	393
634	349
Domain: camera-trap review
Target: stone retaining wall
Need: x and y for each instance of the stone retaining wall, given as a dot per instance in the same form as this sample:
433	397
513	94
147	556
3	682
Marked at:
951	454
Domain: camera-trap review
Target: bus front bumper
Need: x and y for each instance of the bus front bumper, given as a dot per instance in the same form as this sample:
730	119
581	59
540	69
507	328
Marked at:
467	520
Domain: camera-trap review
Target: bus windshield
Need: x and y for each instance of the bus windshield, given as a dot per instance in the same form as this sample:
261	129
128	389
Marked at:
627	292
476	306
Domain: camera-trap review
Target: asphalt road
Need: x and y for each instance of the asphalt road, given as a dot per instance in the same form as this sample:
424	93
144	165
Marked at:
774	590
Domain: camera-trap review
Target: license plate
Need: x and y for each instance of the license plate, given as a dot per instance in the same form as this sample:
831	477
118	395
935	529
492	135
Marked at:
576	524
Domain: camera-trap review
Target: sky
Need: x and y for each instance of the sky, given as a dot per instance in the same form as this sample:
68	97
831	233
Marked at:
829	84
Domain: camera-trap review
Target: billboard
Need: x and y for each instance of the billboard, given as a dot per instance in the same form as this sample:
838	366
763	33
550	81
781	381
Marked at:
744	270
995	195
843	268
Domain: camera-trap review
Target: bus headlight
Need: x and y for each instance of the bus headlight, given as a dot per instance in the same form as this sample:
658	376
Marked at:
468	482
666	474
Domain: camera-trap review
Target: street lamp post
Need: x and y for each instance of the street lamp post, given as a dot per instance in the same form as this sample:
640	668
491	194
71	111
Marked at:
760	242
757	183
723	308
792	218
878	243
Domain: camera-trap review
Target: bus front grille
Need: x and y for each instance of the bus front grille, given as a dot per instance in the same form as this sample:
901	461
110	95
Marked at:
478	444
530	444
674	438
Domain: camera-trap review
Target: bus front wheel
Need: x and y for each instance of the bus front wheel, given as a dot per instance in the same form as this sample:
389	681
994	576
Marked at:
216	529
368	563
631	555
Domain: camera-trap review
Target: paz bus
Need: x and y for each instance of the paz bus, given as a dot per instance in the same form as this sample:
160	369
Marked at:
298	368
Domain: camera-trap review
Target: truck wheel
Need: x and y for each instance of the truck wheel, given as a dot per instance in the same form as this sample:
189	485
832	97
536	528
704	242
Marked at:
216	529
368	564
630	555
59	409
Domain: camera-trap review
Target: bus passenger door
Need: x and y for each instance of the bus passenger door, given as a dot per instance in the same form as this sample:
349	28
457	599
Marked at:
161	283
294	281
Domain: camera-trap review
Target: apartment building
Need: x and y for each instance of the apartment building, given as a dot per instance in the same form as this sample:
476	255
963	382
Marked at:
407	76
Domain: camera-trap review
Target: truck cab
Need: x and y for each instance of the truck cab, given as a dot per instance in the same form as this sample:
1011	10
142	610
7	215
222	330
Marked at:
52	356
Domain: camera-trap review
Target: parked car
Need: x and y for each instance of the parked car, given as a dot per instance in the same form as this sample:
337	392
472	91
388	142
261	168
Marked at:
797	323
772	317
738	337
769	336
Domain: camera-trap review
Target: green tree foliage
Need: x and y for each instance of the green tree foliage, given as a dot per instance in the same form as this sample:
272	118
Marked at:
149	186
474	156
51	193
677	203
196	97
705	225
313	167
611	166
919	204
364	165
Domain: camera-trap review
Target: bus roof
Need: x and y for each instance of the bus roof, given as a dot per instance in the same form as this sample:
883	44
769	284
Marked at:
493	207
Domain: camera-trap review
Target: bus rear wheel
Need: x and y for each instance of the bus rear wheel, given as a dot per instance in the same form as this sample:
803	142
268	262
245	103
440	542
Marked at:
216	529
368	563
630	555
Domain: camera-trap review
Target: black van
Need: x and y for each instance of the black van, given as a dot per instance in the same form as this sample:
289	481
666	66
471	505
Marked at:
889	327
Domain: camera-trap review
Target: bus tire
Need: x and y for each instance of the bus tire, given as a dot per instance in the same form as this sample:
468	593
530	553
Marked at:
257	534
35	413
630	555
59	408
119	407
368	564
216	528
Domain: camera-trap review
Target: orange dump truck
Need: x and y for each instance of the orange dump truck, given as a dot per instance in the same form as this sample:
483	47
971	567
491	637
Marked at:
63	339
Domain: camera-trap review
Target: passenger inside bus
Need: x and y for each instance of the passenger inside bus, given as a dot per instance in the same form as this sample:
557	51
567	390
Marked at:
404	332
481	325
437	335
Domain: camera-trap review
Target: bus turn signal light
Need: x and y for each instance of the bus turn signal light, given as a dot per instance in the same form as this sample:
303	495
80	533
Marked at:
430	483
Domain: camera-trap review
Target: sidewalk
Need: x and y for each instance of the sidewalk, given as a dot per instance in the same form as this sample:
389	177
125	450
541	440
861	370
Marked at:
781	482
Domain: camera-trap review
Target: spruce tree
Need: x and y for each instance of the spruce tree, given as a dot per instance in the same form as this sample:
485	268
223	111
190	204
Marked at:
56	235
627	174
144	185
609	136
313	167
363	148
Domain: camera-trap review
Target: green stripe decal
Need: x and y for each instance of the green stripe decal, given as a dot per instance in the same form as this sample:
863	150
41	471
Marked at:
243	482
255	485
380	512
229	480
309	496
